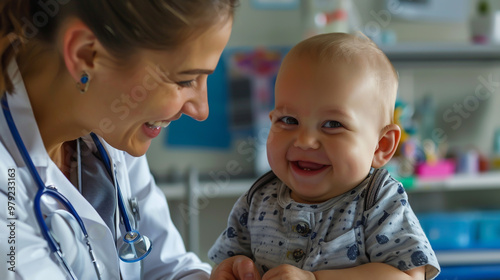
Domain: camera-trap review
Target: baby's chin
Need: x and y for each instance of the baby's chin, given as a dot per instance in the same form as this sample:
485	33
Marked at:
307	199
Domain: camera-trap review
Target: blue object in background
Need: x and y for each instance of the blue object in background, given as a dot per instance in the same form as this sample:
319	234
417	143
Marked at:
275	4
213	132
478	272
489	230
448	231
462	230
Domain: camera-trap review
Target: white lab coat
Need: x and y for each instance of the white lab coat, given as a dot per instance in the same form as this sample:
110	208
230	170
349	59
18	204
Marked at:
33	258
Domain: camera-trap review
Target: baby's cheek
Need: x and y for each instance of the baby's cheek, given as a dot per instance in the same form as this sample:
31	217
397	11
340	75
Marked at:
273	149
272	158
276	157
358	162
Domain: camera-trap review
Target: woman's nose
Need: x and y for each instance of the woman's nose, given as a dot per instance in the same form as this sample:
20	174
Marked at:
197	107
306	139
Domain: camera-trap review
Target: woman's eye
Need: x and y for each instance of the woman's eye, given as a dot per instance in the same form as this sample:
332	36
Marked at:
289	120
332	124
186	83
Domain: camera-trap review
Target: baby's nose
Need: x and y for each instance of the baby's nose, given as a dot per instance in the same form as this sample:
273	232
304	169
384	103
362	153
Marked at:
306	140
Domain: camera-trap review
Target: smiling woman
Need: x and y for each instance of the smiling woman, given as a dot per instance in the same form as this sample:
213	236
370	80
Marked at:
85	87
119	62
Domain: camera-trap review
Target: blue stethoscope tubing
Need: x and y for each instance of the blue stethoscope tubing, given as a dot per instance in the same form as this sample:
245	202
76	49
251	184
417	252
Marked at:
42	189
107	163
52	191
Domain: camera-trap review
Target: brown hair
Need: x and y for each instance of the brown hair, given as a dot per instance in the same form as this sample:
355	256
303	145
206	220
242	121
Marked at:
122	26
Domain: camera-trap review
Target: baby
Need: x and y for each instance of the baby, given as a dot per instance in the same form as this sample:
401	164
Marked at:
327	210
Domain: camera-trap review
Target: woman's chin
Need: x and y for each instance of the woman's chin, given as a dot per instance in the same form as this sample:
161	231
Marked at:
135	148
138	150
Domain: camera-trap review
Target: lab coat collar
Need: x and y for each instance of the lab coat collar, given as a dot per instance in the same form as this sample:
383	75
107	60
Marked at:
114	155
24	119
22	113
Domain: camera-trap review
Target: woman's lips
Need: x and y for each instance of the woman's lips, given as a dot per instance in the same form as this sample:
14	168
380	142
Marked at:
156	124
151	132
152	129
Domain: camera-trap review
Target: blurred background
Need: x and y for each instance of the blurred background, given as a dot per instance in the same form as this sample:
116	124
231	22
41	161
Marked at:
447	54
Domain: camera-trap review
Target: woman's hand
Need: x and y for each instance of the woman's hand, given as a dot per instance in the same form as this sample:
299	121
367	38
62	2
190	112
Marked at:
288	272
236	268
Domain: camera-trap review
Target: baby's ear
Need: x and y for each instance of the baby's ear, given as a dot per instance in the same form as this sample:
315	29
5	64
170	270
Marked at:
387	145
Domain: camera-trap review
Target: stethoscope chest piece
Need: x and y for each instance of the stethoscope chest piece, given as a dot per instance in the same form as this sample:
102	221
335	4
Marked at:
135	248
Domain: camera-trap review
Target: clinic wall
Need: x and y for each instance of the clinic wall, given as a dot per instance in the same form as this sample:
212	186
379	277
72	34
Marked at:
263	28
468	118
449	85
254	27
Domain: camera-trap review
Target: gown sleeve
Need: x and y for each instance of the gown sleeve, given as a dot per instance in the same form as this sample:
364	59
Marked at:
235	239
394	235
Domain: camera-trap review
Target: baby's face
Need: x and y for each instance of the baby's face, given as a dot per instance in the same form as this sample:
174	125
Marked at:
325	127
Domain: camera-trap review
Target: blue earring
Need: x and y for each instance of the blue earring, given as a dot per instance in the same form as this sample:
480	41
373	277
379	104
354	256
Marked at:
83	84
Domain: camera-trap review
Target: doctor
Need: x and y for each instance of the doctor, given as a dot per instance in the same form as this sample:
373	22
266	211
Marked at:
85	87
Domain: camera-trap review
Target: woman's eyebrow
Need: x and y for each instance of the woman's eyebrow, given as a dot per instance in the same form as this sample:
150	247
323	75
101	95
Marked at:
196	72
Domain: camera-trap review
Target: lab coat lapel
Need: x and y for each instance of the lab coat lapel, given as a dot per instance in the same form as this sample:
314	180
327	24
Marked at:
24	119
99	234
22	113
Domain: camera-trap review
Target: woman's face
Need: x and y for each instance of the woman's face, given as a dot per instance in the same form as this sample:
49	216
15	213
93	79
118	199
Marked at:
131	104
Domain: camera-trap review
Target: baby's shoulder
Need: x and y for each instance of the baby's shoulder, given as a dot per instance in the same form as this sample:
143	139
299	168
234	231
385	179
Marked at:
266	185
381	186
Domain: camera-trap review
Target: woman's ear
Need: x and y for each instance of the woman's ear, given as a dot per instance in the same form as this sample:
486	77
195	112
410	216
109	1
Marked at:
78	48
387	145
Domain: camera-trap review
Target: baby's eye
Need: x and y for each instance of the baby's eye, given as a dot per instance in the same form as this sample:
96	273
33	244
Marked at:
289	120
332	124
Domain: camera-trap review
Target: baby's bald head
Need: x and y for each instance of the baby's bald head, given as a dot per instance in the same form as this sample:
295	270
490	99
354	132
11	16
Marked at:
364	54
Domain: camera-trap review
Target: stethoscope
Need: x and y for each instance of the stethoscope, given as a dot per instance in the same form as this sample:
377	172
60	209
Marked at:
136	246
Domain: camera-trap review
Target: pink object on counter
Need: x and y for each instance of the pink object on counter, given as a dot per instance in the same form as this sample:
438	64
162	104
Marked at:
440	169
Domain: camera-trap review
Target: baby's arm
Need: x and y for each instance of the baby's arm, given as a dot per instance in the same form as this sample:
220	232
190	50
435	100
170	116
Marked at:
371	271
235	240
393	235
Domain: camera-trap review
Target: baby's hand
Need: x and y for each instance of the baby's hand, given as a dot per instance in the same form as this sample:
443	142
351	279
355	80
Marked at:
236	268
288	272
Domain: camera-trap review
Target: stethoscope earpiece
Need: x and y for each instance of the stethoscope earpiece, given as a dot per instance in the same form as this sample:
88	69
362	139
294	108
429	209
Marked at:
135	248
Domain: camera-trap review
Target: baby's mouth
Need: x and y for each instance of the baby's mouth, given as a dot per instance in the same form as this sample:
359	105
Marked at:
157	124
308	166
